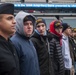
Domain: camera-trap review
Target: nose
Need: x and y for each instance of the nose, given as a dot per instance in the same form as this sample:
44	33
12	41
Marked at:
14	21
41	27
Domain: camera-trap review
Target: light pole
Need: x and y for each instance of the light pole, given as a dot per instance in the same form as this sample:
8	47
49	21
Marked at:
22	1
46	1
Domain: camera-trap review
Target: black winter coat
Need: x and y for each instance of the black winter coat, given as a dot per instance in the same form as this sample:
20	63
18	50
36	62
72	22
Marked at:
41	45
9	64
72	46
56	56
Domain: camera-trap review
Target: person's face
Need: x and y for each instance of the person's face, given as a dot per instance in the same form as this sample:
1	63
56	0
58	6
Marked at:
68	31
7	24
41	27
59	30
71	32
28	28
74	34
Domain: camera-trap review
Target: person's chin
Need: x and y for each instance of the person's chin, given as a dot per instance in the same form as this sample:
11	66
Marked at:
41	34
28	35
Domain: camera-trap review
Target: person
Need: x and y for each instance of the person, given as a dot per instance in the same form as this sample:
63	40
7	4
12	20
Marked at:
40	39
55	47
74	34
74	45
67	49
25	49
9	62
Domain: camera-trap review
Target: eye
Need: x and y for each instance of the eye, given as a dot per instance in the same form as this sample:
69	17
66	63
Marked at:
43	25
9	18
40	25
60	27
31	23
25	24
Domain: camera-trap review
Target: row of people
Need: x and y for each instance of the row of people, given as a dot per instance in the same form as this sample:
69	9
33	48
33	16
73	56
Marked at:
32	49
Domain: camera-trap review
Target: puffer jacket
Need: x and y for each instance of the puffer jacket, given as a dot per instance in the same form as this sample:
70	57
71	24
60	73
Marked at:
56	56
56	51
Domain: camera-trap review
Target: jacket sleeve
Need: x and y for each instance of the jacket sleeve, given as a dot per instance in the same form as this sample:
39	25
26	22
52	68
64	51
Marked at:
18	48
34	41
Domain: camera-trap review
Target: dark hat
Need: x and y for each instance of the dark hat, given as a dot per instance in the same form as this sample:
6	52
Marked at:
7	8
57	24
65	26
29	18
40	20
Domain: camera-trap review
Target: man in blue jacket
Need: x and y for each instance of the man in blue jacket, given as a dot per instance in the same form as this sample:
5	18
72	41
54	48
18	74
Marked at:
26	51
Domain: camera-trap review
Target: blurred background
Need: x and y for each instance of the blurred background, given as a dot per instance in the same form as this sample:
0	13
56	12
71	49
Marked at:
64	10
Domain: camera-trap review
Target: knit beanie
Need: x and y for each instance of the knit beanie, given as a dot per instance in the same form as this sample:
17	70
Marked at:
65	26
40	20
29	18
57	24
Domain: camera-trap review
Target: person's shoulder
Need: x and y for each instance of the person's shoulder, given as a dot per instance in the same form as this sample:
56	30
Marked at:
50	35
35	36
15	39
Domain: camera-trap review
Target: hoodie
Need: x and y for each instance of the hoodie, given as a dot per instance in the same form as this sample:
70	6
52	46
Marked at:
19	22
26	52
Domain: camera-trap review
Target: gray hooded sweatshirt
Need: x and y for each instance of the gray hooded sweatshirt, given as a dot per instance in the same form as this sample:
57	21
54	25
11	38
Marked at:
27	54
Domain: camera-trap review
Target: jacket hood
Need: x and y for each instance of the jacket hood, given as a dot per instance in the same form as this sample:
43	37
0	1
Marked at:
19	22
52	29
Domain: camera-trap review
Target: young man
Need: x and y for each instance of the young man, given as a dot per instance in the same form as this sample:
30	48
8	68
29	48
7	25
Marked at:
72	41
67	49
9	64
26	51
41	42
55	47
74	34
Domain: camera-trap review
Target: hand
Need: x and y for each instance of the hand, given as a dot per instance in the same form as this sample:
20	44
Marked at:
72	71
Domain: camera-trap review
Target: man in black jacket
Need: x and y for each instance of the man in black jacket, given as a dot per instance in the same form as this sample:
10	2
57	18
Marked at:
9	63
41	42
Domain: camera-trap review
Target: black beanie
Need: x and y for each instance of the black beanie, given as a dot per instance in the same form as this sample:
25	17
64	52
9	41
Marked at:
65	26
7	8
29	18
